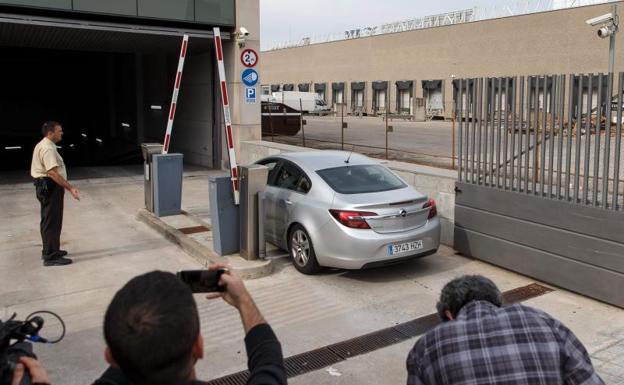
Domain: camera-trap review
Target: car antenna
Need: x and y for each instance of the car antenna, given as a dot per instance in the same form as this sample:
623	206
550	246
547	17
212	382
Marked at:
351	153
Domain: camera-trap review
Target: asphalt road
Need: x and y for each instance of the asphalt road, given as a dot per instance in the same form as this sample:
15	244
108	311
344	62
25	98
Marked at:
418	142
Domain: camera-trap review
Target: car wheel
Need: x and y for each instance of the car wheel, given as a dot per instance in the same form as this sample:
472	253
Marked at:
302	251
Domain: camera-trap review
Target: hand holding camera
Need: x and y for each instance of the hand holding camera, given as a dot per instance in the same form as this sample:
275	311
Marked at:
38	375
223	282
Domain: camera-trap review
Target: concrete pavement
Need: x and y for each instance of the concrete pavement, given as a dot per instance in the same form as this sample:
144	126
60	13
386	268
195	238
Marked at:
109	247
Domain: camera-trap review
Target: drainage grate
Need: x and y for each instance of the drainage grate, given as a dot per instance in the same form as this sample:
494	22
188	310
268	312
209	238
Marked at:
368	343
525	292
239	378
193	230
418	326
310	361
331	354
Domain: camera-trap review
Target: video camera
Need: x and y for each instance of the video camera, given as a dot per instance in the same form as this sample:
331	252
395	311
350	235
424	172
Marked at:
15	342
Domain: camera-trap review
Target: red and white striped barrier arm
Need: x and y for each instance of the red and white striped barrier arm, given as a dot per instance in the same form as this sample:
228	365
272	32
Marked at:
176	92
226	116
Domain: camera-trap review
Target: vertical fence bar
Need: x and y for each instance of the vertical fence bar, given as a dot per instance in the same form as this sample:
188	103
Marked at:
514	127
506	141
536	132
618	144
486	106
562	94
498	130
579	124
590	97
467	143
301	122
569	141
596	173
607	152
479	135
554	98
492	129
471	136
543	126
520	131
528	136
459	136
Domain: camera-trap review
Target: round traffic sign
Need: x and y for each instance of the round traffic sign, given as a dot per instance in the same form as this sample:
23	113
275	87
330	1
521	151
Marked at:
249	58
249	77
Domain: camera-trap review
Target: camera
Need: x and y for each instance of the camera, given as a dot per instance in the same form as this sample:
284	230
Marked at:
243	31
606	31
15	342
603	19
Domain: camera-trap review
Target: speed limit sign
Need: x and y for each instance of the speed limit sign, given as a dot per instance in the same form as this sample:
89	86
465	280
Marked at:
249	58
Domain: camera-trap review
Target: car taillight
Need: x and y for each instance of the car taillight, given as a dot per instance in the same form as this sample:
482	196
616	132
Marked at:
433	211
352	219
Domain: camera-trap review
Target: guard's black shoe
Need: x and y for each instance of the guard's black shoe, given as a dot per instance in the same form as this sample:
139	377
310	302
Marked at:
57	261
56	254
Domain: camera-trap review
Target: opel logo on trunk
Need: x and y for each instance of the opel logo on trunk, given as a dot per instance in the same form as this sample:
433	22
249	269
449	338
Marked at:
403	213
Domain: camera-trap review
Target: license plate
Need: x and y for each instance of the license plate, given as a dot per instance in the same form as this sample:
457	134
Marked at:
401	248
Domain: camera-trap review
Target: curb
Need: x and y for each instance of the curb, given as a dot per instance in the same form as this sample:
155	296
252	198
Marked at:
205	256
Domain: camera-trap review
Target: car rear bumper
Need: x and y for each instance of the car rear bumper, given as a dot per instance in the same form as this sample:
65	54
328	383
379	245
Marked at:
342	247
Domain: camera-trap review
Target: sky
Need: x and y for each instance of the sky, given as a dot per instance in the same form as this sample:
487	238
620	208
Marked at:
291	20
286	20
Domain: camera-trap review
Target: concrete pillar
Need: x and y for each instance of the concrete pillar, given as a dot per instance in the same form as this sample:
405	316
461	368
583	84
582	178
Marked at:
246	118
447	96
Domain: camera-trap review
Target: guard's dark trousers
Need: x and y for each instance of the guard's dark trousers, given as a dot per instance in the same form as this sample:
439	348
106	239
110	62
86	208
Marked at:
51	197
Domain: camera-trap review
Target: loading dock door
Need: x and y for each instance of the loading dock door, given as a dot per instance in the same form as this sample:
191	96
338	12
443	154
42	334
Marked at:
108	84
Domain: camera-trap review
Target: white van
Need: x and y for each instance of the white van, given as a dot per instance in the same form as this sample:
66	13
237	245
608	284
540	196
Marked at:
304	101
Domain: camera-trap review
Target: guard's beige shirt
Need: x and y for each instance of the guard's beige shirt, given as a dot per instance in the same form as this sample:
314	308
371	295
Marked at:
45	158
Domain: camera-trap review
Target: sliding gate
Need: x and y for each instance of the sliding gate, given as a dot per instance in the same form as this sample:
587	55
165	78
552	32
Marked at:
540	179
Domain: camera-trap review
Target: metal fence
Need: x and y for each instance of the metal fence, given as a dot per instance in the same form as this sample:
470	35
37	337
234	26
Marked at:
554	136
384	133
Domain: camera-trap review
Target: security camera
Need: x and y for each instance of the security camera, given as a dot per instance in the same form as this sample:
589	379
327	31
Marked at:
606	31
243	31
606	18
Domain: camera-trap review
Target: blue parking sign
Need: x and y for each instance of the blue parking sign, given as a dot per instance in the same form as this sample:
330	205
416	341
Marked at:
250	95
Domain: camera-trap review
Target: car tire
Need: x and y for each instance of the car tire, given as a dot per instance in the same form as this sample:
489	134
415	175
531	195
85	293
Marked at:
302	251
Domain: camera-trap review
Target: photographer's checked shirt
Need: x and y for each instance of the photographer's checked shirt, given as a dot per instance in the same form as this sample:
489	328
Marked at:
513	345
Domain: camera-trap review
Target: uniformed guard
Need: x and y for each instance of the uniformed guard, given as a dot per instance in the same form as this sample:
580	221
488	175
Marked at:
50	179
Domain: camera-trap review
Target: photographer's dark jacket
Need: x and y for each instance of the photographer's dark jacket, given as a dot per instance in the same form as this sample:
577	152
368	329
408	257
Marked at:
264	359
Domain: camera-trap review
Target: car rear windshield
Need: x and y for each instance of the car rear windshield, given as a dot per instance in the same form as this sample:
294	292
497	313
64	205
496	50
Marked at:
360	179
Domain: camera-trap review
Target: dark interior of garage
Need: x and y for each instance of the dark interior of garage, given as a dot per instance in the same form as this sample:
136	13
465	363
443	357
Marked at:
92	94
110	90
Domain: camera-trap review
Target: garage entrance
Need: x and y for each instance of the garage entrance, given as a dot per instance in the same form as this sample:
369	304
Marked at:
540	183
110	87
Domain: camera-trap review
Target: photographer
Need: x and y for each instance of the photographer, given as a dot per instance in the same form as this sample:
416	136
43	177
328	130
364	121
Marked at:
38	375
152	333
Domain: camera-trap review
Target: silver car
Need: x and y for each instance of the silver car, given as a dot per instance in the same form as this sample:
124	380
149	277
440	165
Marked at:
345	210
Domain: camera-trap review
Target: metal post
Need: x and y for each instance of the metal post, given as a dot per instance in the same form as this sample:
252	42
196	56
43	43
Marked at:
386	108
566	194
480	109
342	126
590	98
453	138
618	144
607	149
612	41
599	110
301	121
461	105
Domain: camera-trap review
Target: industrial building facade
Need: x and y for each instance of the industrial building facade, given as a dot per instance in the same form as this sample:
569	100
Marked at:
106	71
416	72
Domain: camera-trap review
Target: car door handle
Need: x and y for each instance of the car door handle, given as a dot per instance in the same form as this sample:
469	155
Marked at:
288	202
